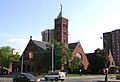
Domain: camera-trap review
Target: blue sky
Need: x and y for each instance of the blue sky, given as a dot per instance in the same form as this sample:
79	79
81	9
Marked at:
88	20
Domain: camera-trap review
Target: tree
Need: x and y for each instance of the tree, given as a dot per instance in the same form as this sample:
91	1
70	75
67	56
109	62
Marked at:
48	57
76	65
62	55
98	62
58	54
7	56
66	58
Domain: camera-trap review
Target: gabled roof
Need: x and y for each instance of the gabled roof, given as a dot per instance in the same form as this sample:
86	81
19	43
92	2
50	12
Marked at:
77	49
40	44
72	45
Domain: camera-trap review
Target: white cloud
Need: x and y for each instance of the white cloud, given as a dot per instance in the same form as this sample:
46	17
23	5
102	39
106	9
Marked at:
18	44
20	40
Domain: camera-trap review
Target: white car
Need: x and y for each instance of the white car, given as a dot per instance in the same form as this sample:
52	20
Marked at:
55	76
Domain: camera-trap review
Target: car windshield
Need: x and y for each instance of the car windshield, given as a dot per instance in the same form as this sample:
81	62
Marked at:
54	73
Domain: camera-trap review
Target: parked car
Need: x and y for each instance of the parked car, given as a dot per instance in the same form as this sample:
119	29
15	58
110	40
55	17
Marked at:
55	76
25	77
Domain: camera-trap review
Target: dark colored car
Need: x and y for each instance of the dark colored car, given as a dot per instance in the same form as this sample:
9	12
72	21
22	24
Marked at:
25	77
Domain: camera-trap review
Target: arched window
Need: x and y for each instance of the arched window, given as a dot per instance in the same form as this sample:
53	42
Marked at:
30	55
79	55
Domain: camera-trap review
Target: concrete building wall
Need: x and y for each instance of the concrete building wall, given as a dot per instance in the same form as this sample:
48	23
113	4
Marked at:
47	35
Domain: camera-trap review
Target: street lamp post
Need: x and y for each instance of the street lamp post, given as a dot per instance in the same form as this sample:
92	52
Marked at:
80	72
52	57
22	64
106	73
106	61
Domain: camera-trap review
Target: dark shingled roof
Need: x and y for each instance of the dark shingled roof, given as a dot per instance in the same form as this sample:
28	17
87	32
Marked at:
40	44
72	45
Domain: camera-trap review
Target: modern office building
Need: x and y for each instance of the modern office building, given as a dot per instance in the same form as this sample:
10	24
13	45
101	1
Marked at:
111	41
107	41
47	35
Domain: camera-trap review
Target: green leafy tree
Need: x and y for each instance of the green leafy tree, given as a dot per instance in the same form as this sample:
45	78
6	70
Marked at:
48	57
76	65
67	55
62	55
58	53
7	56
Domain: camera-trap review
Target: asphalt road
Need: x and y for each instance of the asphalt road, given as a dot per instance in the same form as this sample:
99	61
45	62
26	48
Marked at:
71	79
85	79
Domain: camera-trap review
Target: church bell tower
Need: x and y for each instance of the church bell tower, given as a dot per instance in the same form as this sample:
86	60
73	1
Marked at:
61	29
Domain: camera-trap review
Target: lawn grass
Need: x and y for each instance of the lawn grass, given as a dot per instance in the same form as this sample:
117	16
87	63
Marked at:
73	75
78	75
87	75
82	75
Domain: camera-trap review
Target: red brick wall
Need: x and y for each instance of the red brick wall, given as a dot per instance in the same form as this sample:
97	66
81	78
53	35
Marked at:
79	50
61	30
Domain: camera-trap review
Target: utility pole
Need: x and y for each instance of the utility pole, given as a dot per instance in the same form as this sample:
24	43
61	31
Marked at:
106	59
52	57
22	64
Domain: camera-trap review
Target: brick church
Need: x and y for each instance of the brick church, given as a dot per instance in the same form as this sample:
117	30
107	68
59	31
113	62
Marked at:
60	34
33	55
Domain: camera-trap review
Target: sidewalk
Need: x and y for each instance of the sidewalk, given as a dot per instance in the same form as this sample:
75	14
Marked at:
97	78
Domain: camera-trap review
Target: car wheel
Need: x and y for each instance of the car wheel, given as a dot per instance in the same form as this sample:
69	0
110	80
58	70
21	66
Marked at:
62	79
46	78
56	79
51	79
